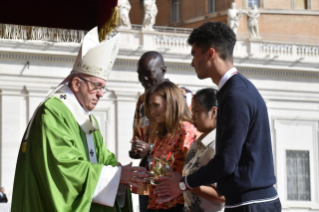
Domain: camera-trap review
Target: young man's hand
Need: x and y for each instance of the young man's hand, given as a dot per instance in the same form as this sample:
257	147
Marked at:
168	188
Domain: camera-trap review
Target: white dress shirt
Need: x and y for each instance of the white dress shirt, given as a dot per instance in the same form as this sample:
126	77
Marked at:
227	76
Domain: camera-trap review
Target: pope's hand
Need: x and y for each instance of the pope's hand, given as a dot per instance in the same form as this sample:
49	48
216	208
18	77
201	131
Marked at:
132	175
168	188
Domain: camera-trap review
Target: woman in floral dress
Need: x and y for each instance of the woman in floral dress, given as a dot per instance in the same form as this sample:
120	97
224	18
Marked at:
166	104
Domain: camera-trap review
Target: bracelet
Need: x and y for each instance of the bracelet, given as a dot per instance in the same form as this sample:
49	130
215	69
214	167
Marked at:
151	147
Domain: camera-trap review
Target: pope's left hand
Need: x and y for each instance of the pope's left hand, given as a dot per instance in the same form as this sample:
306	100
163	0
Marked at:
168	188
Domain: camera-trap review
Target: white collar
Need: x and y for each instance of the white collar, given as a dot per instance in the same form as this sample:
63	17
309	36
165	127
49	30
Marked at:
62	87
81	116
226	77
69	92
208	138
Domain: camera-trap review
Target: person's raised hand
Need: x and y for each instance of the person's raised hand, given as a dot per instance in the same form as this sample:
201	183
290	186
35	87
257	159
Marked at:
131	175
168	188
133	153
142	147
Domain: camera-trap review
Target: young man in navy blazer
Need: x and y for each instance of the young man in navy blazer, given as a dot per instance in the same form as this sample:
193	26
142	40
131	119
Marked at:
243	164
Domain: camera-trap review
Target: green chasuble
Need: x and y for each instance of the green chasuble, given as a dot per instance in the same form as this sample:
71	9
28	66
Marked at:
53	172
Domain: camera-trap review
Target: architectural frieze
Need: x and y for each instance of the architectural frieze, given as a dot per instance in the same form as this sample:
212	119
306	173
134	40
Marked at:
278	73
45	58
20	32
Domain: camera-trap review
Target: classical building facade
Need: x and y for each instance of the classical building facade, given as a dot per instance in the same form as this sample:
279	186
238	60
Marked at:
287	20
285	73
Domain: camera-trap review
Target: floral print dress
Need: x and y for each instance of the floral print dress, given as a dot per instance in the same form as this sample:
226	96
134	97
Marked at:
177	145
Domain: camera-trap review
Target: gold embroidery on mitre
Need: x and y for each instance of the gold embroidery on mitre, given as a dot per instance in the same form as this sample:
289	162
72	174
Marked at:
24	147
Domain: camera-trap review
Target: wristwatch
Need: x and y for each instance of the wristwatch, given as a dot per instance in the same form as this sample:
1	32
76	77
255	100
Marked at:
182	184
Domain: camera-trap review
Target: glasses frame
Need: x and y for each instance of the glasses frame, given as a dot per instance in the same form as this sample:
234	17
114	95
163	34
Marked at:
96	87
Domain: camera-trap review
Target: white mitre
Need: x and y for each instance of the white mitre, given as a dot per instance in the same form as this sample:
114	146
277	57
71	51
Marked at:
95	58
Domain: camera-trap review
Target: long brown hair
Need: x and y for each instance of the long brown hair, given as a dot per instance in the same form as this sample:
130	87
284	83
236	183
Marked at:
176	108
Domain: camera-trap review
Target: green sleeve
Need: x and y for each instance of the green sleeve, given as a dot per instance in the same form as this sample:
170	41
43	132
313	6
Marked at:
104	155
64	178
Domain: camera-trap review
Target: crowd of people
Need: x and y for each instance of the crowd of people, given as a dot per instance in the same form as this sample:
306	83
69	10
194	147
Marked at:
233	169
217	140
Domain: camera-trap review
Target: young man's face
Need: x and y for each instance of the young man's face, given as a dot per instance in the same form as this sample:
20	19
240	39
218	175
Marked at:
200	62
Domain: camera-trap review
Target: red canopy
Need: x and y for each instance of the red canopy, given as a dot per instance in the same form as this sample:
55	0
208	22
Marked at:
65	14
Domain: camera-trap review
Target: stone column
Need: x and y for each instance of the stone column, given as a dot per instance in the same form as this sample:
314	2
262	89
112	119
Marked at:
125	108
13	118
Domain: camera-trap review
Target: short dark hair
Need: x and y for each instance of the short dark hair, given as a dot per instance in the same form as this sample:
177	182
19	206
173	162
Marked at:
154	54
206	98
215	35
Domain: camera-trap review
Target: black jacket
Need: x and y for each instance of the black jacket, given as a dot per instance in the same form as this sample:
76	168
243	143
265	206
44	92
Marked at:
243	164
3	199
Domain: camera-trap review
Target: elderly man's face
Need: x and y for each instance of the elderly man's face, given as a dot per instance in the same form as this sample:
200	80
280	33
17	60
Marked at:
150	72
2	190
88	91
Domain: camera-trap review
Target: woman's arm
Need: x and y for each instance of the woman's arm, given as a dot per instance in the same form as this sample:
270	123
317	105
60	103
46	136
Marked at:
209	193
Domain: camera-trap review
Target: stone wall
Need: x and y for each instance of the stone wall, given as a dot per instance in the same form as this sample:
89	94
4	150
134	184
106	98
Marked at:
315	4
303	25
278	4
136	13
164	12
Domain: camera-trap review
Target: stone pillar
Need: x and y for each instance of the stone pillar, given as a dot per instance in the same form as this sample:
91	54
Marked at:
148	41
125	108
12	113
254	47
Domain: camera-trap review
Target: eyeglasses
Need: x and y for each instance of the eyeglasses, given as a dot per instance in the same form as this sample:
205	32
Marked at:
96	87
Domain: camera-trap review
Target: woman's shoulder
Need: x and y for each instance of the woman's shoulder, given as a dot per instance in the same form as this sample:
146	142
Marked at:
186	126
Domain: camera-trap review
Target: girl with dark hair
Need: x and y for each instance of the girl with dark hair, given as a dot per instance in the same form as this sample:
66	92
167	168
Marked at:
166	104
204	109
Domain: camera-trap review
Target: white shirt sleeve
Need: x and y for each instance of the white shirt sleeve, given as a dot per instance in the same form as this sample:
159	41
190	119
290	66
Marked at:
106	189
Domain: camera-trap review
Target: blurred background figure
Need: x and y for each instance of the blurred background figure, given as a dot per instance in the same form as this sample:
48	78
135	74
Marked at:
3	196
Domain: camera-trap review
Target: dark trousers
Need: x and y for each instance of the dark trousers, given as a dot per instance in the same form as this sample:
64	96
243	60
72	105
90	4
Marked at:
143	200
271	206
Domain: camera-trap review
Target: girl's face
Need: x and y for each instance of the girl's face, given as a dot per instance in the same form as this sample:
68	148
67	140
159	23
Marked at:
203	121
157	107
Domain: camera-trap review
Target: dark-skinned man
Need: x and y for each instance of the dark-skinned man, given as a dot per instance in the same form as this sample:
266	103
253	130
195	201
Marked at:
151	71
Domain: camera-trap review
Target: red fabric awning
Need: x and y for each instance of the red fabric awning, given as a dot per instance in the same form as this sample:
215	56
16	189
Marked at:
65	14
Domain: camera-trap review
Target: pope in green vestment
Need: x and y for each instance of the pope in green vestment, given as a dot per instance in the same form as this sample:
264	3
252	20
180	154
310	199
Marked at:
63	163
53	171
